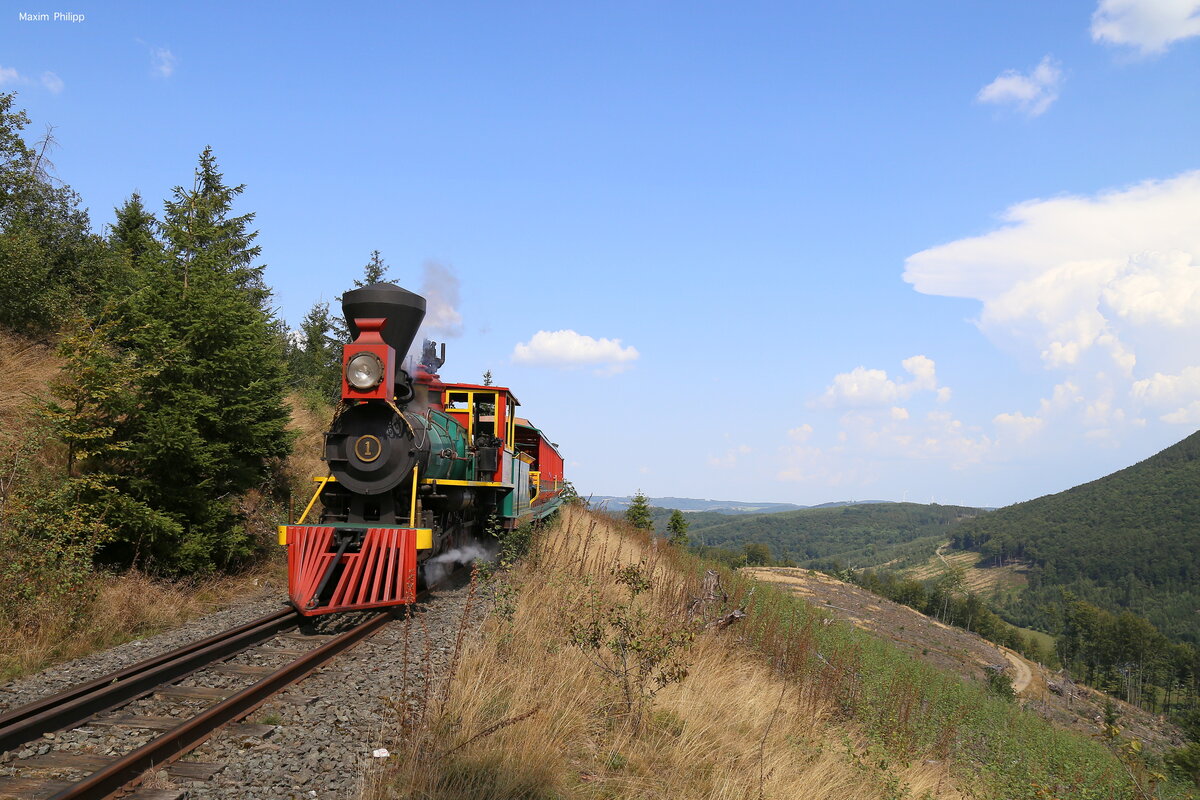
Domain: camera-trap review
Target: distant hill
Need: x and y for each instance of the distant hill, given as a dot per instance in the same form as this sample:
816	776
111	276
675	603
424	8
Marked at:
691	504
1130	540
859	535
613	503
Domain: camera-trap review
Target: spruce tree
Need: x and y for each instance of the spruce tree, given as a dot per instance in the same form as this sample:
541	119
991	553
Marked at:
375	271
638	513
213	417
315	355
678	527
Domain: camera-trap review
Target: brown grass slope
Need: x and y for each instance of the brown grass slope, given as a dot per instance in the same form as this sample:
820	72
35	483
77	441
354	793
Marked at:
785	703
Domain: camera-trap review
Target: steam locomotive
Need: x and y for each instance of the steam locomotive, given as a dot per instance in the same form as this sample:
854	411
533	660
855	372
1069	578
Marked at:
417	467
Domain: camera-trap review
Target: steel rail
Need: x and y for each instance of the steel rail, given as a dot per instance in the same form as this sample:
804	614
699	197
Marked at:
179	740
72	706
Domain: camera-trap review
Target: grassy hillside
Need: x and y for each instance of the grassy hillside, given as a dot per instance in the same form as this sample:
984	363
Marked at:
603	672
831	538
1130	540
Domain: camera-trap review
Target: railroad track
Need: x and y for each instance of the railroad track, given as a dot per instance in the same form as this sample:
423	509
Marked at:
91	705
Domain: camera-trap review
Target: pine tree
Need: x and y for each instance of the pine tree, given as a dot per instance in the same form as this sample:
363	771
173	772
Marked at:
213	417
132	237
638	513
678	527
315	355
204	238
487	377
375	271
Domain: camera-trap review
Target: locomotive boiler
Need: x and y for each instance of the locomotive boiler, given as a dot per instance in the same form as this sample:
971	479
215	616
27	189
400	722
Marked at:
417	467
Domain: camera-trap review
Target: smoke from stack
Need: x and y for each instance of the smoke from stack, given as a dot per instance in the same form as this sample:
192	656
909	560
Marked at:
439	286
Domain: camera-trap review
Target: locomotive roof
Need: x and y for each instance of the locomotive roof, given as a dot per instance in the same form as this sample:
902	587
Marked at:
479	387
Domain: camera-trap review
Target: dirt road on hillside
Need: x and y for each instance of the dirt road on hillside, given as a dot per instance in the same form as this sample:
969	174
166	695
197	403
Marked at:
1023	674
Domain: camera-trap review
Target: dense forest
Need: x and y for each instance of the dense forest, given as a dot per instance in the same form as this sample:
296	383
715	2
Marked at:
858	536
1127	542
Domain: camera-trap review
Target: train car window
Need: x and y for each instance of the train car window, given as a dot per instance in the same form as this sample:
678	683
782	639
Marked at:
453	399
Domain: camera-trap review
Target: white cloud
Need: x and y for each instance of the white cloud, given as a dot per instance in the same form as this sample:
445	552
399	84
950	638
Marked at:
1066	396
1149	25
1157	288
162	62
1178	395
1019	425
862	387
899	413
1031	93
52	82
800	434
1188	415
566	348
9	76
1103	288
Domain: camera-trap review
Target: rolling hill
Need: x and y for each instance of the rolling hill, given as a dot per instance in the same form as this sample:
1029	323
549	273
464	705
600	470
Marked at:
1130	540
860	535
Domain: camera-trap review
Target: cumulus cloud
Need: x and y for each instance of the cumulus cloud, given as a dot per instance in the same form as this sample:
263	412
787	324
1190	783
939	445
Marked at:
1178	396
1030	93
162	62
1157	288
867	439
567	349
1151	26
1104	288
1018	425
862	387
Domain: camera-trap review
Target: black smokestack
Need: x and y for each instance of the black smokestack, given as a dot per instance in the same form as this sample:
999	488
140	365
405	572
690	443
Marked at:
402	309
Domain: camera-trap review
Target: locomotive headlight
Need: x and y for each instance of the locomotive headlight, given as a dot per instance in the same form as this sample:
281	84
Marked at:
364	371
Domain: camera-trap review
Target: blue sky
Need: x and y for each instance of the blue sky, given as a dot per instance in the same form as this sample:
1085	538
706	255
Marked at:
758	251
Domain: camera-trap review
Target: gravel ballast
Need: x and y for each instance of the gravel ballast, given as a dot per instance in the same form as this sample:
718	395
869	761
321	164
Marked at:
325	728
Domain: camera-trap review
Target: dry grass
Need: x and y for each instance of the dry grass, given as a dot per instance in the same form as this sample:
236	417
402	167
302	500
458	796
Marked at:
982	580
26	369
305	462
122	608
529	716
